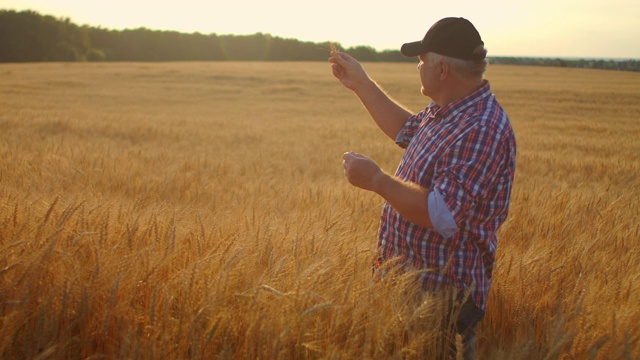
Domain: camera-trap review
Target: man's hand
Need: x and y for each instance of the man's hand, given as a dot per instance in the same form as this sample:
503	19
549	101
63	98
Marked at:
348	70
361	171
407	198
388	115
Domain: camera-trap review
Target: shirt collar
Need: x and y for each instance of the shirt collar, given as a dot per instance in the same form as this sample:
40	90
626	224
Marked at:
453	108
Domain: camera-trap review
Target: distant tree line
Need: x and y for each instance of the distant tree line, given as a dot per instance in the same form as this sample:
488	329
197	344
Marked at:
29	37
621	65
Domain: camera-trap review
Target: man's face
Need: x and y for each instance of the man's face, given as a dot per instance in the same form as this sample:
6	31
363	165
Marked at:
428	76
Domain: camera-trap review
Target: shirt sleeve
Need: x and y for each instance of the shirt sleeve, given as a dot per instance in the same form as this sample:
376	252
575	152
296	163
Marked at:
469	175
410	128
440	215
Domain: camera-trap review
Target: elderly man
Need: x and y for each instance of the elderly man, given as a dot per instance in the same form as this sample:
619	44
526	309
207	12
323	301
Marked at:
451	191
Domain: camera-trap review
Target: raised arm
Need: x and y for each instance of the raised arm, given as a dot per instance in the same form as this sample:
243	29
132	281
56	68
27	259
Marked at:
388	114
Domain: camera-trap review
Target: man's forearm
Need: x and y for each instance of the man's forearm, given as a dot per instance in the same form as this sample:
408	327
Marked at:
388	114
408	199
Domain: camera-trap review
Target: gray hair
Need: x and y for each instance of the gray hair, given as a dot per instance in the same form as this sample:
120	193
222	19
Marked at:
466	69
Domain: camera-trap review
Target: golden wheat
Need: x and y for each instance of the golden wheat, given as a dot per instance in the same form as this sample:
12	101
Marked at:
199	210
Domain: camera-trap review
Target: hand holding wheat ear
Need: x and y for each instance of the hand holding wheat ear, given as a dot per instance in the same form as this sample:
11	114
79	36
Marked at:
348	70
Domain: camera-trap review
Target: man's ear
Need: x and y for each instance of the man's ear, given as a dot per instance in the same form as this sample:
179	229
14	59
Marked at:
444	70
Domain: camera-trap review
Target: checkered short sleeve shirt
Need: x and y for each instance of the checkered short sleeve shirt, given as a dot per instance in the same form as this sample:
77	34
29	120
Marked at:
466	151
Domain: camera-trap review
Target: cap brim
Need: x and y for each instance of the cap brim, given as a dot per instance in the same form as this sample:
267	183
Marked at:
412	49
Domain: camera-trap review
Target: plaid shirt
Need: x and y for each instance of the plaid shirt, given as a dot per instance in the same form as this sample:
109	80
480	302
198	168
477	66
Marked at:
466	150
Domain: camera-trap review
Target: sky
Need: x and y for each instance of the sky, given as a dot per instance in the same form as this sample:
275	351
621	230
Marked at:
532	28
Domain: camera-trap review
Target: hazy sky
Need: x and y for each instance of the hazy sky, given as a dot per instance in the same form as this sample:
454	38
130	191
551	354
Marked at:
548	28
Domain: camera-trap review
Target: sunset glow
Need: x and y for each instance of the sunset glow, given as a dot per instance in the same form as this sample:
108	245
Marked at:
546	28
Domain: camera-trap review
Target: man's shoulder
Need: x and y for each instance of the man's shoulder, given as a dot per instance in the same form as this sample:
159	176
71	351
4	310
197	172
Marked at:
489	113
487	120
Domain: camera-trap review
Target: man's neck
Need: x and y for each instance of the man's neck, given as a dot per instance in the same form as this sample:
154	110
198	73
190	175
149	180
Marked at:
457	91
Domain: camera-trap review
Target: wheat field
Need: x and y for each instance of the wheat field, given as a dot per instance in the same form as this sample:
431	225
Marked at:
199	211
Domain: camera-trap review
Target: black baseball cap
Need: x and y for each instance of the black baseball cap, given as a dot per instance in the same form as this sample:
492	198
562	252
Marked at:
453	36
